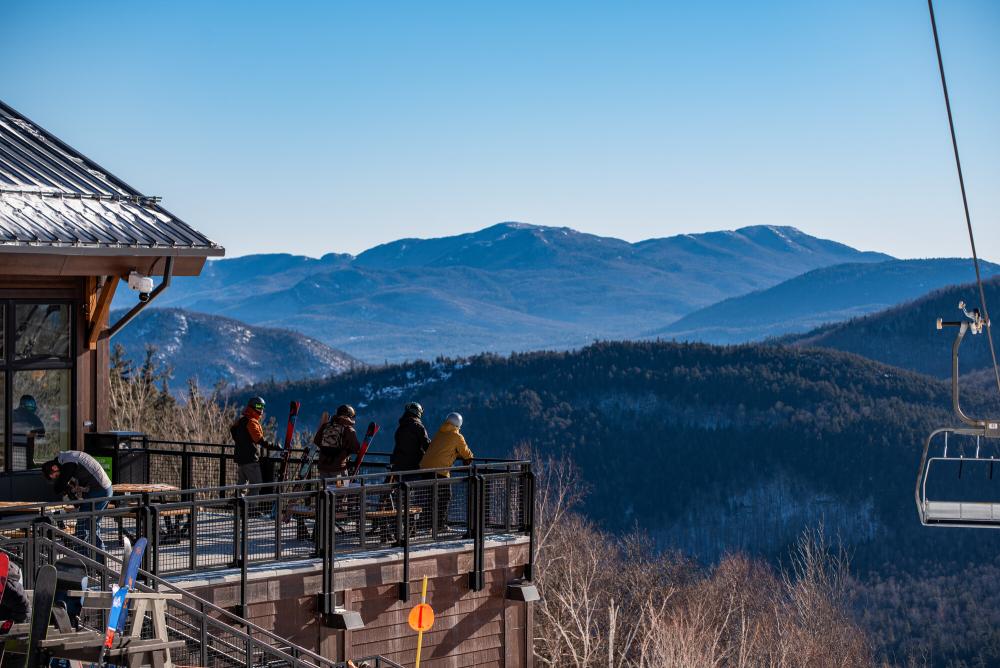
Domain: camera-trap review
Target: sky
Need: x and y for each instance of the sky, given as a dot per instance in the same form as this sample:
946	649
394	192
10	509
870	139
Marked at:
315	127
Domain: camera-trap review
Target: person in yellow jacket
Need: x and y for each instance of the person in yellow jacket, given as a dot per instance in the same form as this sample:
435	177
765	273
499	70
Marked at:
447	445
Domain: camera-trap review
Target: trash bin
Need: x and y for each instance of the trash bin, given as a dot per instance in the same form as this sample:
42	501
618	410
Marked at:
122	454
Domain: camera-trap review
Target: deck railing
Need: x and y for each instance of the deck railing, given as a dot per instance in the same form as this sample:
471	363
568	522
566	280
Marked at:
212	635
195	530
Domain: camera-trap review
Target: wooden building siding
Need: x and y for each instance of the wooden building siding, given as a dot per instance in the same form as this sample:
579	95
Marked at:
91	408
470	628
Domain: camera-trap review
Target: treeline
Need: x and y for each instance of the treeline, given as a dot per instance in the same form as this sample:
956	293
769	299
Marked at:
618	602
664	431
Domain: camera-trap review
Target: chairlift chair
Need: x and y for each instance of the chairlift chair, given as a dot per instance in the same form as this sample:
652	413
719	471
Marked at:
959	488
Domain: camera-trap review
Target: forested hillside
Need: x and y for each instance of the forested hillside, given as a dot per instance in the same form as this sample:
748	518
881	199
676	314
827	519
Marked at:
826	295
906	336
713	449
721	449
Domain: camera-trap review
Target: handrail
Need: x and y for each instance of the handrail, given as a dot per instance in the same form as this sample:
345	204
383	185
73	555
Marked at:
368	510
197	601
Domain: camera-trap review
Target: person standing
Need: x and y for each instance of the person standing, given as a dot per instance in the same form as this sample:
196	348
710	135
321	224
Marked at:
337	440
447	445
411	440
76	475
248	434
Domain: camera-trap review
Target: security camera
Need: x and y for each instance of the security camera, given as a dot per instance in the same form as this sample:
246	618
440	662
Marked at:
142	284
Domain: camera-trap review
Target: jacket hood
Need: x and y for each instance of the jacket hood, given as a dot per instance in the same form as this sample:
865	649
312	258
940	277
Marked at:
447	426
251	413
344	419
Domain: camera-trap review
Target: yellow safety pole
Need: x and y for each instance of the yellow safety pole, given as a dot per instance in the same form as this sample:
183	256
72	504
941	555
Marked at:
420	634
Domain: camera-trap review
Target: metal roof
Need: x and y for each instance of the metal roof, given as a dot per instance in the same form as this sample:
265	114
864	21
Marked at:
55	200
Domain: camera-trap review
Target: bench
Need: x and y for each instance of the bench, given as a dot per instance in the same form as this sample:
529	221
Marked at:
382	520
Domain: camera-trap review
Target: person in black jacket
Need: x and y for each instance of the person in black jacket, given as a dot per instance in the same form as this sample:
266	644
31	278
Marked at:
411	440
14	604
248	435
76	475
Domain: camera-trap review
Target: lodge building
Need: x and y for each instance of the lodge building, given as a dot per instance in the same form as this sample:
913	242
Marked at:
336	582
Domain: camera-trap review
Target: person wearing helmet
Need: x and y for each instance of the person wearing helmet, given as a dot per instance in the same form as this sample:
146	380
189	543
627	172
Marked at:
447	445
337	440
25	418
411	440
248	434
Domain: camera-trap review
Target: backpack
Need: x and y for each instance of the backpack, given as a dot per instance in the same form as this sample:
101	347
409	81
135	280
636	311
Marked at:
331	437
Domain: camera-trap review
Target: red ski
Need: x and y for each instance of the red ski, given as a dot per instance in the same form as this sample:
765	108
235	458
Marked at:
369	435
293	413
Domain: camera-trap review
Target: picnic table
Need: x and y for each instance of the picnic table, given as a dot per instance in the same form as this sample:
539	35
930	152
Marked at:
127	488
10	509
173	530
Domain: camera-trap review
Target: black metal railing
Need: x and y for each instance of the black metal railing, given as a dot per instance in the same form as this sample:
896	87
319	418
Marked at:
212	635
192	530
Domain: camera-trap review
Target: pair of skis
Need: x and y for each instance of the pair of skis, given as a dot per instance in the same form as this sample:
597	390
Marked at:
293	414
118	615
311	451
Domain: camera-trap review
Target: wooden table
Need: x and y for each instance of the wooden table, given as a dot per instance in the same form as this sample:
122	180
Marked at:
143	488
172	530
19	508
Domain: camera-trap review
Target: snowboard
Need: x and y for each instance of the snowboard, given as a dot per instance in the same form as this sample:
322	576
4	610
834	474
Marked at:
373	429
60	615
41	611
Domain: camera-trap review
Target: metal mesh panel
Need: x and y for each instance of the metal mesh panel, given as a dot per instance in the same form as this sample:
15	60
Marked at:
503	498
211	637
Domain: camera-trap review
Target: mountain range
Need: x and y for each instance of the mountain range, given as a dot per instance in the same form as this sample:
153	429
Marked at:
906	335
818	297
508	287
210	349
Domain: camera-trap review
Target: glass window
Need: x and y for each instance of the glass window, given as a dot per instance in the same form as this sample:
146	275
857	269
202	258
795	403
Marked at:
40	419
41	332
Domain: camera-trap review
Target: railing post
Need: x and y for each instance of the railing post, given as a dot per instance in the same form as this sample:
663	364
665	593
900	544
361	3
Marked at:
186	481
326	541
509	488
203	645
529	508
476	521
243	507
152	532
404	586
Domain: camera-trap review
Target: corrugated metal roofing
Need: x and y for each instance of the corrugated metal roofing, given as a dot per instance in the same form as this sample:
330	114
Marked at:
53	197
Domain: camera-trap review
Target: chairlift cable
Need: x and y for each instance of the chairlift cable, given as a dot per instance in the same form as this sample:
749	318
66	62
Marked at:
965	199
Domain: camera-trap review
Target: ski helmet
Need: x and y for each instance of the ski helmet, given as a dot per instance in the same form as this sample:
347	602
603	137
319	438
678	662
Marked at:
455	419
28	403
414	409
345	410
256	403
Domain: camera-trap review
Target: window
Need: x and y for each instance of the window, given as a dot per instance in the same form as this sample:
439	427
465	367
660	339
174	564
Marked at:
41	332
36	381
40	419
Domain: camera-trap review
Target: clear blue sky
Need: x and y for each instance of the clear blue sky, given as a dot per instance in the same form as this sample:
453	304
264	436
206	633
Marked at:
334	126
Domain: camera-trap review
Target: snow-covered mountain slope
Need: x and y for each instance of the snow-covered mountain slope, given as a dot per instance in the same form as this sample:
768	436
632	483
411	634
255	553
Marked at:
213	349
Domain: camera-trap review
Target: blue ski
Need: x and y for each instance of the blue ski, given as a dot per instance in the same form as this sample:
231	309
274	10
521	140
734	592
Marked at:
118	615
